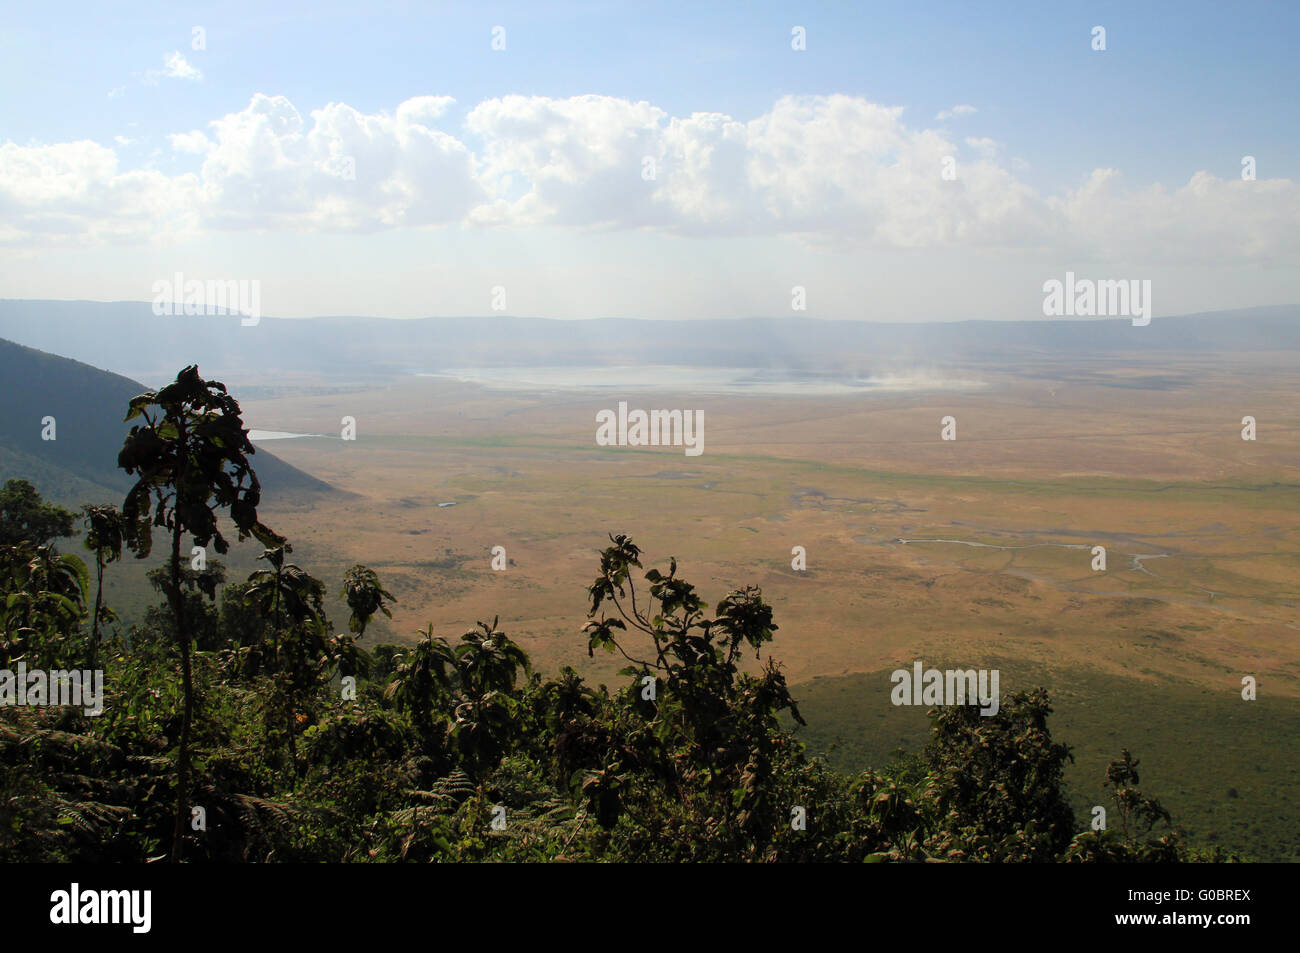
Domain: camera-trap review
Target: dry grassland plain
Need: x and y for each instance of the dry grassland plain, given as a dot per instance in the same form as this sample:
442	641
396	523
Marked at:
916	547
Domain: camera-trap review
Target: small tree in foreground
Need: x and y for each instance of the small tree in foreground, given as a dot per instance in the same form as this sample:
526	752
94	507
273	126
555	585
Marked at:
104	539
26	518
365	596
190	459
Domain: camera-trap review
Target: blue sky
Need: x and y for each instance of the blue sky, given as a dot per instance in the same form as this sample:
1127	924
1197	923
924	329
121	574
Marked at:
1182	89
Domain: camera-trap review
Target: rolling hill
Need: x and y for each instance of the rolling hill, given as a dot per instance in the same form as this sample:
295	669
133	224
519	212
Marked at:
88	406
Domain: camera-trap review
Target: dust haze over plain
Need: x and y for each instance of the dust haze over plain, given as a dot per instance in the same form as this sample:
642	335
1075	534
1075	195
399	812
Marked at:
758	354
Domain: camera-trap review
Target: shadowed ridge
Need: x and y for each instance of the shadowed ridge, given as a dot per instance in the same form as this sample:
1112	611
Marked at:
88	406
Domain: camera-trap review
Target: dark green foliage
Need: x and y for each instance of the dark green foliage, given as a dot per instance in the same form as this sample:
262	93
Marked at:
996	782
1136	815
26	518
365	596
189	458
42	604
198	594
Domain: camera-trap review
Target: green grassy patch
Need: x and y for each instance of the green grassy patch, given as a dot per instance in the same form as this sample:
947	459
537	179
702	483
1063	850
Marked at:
1225	768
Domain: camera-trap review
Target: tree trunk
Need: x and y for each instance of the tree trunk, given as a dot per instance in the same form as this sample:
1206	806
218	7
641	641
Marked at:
183	757
293	743
99	603
283	677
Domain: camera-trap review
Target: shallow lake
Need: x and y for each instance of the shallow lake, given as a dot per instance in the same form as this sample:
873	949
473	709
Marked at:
700	380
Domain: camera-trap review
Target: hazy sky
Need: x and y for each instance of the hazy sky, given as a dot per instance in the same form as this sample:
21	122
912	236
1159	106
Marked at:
652	159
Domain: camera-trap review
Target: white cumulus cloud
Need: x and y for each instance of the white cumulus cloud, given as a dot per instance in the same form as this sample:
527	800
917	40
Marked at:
961	110
175	66
831	171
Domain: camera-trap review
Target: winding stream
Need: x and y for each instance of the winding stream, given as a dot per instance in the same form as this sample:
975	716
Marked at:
1137	557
